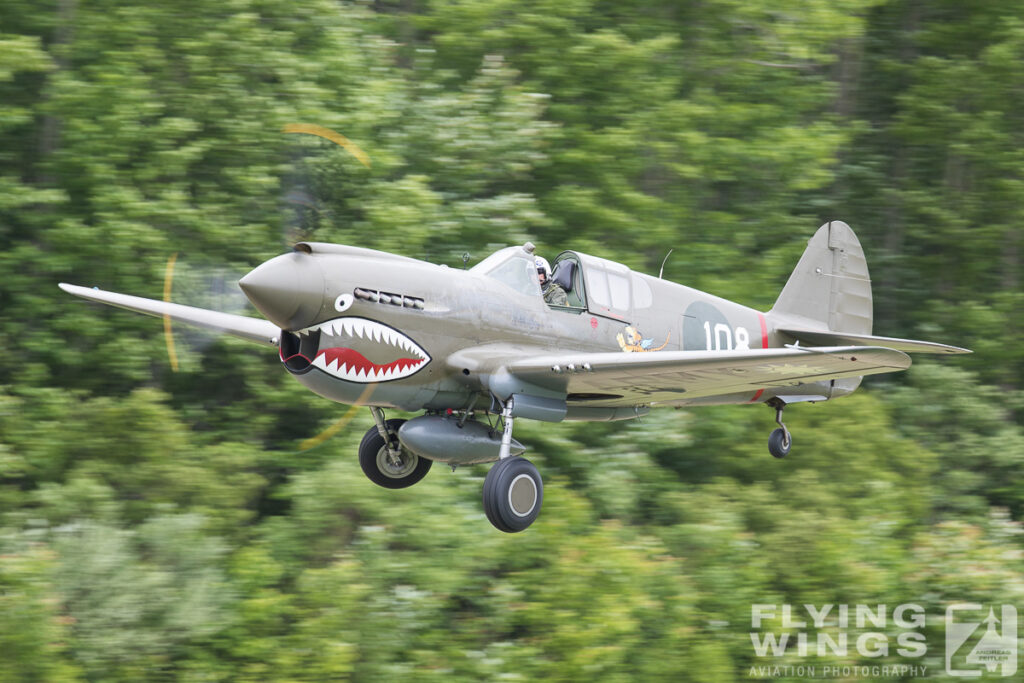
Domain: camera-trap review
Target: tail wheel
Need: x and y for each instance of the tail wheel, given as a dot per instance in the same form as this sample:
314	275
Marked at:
779	443
513	493
390	470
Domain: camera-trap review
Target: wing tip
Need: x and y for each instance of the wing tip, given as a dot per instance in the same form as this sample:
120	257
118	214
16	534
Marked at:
957	350
883	356
901	360
73	290
79	290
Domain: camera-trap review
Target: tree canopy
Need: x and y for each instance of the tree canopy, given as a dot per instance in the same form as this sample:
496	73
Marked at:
175	525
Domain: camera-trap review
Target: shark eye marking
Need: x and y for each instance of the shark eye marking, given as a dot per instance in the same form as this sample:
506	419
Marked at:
343	302
344	344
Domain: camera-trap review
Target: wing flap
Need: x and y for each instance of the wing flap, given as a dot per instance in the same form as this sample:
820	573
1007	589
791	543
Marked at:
250	329
827	338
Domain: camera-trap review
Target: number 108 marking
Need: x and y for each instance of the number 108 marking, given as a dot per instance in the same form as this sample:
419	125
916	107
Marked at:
722	335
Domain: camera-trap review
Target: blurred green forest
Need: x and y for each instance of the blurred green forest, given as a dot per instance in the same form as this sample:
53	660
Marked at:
160	525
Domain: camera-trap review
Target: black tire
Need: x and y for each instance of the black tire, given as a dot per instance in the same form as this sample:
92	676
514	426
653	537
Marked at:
513	494
373	458
778	445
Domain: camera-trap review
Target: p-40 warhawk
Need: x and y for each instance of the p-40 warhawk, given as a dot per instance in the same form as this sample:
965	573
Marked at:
365	327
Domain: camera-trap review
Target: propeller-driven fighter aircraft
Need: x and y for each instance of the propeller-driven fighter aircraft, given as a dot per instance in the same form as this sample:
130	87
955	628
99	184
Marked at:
475	349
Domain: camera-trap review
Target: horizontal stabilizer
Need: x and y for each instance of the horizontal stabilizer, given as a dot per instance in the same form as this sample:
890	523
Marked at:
826	338
243	327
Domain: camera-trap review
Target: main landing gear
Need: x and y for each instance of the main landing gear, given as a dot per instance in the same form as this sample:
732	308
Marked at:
384	460
779	441
513	490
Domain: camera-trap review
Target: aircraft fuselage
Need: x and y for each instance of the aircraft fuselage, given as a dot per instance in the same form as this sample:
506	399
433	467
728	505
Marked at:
367	327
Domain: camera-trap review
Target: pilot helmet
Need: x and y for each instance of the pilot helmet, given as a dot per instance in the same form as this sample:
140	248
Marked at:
543	267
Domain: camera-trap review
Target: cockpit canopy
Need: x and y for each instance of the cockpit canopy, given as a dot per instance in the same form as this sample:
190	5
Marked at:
591	283
601	286
513	267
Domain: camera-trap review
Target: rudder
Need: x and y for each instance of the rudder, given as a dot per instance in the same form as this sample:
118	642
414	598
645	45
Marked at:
830	288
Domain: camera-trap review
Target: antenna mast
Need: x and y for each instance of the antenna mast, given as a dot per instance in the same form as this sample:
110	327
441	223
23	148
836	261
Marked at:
662	271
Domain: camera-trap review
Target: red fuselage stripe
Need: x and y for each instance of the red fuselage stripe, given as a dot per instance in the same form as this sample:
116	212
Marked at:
764	345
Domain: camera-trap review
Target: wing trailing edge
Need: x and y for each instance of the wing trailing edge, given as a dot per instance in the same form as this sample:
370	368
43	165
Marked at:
250	329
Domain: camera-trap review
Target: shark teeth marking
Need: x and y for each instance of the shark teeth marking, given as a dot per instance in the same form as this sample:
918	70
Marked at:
338	359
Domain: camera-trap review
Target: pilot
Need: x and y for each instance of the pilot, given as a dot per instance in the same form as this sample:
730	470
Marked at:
554	294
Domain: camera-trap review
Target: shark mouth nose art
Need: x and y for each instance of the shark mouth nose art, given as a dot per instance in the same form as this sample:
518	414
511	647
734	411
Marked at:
353	349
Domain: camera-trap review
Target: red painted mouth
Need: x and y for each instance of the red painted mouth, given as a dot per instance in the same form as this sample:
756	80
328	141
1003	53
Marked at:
328	347
354	364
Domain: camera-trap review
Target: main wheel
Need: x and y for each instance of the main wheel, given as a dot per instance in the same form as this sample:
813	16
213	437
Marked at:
379	466
513	493
778	444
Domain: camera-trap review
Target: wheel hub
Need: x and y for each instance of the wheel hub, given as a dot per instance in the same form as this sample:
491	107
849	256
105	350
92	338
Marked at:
522	495
395	465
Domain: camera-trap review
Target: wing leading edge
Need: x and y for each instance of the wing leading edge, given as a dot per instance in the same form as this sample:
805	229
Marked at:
693	374
250	329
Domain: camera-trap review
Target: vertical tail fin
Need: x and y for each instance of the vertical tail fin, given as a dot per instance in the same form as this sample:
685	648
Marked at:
830	287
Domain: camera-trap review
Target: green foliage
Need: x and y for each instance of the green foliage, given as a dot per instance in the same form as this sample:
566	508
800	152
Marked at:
159	525
941	157
139	598
33	630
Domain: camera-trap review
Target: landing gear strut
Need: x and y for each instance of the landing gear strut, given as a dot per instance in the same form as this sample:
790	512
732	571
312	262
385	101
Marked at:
779	441
513	490
383	459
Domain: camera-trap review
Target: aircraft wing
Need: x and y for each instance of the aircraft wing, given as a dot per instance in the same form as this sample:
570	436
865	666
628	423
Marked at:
250	329
825	337
667	375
